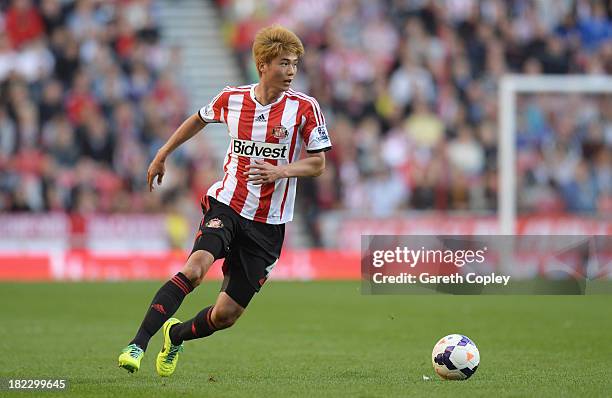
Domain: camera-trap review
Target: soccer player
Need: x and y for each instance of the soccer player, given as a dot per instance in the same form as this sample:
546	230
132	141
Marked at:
244	213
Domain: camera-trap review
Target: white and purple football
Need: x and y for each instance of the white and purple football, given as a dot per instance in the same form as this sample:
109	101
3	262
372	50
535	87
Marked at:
455	357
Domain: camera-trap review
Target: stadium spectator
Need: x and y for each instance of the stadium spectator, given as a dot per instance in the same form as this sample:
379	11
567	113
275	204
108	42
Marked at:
80	83
23	23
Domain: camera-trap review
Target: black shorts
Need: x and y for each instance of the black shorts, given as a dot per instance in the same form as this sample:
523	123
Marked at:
250	248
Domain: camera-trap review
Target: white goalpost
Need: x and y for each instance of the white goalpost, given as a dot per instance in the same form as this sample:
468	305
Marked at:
510	86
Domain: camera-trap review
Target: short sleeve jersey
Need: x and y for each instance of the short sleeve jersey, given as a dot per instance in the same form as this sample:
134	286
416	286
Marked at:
275	133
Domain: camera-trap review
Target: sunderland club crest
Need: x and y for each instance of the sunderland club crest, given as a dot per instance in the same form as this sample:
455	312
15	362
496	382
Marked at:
280	132
214	223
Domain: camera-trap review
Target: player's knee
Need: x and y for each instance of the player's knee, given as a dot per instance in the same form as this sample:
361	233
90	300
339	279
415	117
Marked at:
196	266
224	317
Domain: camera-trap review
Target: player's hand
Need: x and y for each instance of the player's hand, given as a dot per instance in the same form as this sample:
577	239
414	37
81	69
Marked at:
156	169
262	172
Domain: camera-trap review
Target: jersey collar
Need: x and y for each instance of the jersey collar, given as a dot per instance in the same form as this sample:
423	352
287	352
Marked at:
252	92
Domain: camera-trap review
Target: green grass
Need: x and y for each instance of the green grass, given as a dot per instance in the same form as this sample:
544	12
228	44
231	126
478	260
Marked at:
309	340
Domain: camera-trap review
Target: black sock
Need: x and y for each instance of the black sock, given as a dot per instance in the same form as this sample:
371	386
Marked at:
165	303
200	326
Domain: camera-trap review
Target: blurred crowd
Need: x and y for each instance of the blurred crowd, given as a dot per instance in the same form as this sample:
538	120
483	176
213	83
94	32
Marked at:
409	89
87	96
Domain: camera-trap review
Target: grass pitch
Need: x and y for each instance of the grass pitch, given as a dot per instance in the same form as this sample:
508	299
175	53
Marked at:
308	339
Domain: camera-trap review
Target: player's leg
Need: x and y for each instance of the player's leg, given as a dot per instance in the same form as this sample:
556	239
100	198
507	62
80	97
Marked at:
230	304
227	310
169	297
165	303
253	255
215	233
232	300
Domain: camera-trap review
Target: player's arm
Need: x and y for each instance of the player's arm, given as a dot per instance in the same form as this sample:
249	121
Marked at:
311	166
262	172
316	140
188	129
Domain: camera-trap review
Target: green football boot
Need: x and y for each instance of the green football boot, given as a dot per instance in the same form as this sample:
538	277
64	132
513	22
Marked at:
130	358
169	354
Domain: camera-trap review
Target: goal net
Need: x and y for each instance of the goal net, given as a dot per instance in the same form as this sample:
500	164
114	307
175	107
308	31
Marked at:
555	140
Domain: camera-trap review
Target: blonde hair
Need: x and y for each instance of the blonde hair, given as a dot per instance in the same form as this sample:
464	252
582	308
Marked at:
275	40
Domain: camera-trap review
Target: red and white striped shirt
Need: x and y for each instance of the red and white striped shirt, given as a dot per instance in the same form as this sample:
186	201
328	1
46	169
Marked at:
273	132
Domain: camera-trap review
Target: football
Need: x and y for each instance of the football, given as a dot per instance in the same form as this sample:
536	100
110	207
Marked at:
455	357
